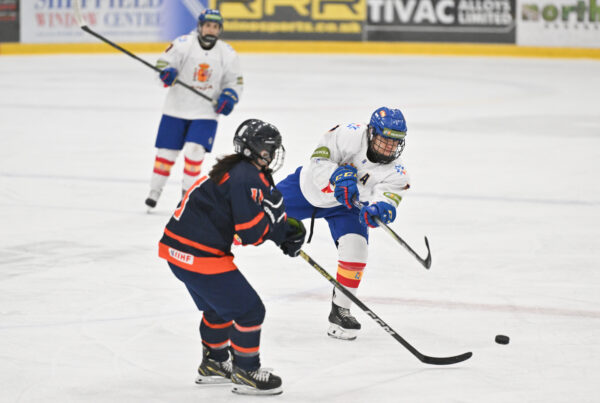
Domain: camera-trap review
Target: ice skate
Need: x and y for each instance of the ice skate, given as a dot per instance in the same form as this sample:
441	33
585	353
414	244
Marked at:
152	199
213	372
257	382
343	325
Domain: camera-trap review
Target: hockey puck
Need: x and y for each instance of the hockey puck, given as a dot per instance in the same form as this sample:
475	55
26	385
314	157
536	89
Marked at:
502	339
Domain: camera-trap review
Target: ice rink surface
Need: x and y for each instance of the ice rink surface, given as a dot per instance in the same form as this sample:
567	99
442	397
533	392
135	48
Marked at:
504	156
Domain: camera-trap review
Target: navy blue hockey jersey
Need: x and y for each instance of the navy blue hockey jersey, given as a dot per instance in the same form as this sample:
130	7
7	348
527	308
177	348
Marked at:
199	235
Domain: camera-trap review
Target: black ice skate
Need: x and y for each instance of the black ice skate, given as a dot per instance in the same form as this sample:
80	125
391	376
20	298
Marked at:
152	199
342	324
258	382
212	372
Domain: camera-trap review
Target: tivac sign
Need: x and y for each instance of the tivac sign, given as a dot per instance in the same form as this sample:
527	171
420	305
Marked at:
441	20
292	19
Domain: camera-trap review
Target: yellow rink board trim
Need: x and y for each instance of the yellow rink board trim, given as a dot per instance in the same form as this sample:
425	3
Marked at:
330	47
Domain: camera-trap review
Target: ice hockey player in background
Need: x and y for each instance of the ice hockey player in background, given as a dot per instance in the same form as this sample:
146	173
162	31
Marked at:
353	161
189	122
236	199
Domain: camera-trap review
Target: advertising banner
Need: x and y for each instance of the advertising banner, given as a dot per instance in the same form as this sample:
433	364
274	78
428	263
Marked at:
9	20
480	21
565	23
53	21
292	19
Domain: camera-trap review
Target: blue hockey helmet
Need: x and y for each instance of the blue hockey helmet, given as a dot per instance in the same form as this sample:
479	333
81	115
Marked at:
210	14
387	130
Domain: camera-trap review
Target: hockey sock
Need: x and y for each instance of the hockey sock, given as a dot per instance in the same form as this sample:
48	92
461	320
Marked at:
194	156
163	162
352	259
245	338
215	335
349	275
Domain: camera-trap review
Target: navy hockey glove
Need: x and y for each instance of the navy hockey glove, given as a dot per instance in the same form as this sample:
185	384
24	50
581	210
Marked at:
226	101
344	179
274	207
294	237
168	75
382	210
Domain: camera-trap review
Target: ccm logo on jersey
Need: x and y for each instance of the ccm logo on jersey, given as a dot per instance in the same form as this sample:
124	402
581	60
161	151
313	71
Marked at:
180	256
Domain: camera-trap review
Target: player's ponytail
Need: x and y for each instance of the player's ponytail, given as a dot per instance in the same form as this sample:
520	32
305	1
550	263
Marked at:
224	165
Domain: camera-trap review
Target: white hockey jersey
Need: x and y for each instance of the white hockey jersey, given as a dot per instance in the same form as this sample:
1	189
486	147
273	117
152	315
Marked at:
347	144
208	71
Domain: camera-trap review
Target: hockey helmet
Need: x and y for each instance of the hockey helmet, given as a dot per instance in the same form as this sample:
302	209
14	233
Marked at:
388	124
209	15
260	141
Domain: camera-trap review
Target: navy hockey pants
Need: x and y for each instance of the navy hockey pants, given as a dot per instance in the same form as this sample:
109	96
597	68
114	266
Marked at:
232	314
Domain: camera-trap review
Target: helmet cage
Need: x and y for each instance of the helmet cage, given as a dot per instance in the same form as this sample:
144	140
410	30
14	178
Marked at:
210	15
378	150
261	142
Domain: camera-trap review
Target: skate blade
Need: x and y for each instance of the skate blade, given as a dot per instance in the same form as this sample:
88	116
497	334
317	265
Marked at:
249	390
212	380
338	332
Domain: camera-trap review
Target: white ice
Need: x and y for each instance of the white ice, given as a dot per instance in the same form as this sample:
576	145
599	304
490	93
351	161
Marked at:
504	155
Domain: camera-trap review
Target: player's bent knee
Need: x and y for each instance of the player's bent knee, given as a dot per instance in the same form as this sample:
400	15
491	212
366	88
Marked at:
353	248
254	316
194	151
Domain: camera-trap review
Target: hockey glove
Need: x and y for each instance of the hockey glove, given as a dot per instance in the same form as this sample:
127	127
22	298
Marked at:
294	237
274	207
226	101
344	181
168	76
382	210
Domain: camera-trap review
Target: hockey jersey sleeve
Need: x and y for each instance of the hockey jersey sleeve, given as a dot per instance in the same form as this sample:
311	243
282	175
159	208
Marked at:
174	54
232	71
335	148
252	224
393	187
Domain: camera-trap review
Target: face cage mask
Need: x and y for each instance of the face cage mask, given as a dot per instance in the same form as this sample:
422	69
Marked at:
277	159
208	40
378	152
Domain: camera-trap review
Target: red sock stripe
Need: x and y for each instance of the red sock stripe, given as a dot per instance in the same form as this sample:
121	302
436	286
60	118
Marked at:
217	346
192	162
350	283
191	173
352	265
246	329
164	161
161	172
216	325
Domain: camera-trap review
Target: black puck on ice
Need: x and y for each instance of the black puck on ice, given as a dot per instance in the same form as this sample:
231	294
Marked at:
502	339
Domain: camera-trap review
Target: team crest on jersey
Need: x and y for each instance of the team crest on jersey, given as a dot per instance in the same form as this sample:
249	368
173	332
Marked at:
400	169
257	195
202	72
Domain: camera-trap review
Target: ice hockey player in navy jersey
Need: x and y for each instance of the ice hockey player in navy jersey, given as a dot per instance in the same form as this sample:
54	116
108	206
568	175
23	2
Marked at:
353	161
189	122
236	199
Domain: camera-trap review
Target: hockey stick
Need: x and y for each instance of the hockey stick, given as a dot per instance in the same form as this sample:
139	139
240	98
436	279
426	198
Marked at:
83	25
425	262
422	357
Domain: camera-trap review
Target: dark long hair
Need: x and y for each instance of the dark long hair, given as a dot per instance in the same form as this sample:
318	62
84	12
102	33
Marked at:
224	165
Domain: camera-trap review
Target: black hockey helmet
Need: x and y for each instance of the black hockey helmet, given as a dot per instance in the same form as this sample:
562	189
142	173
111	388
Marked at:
260	141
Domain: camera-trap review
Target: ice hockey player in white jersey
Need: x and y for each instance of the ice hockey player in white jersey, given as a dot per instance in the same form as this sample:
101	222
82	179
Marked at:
352	162
189	122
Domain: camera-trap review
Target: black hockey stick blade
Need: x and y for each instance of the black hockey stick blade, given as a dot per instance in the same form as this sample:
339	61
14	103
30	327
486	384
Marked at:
425	262
85	28
420	356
